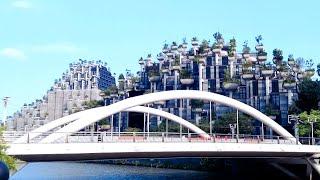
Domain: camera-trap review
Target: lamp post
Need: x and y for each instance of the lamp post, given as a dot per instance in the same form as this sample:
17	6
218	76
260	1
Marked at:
296	120
210	119
232	128
5	104
237	124
312	121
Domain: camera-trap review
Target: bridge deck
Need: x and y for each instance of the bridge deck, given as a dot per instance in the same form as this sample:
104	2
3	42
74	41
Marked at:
94	151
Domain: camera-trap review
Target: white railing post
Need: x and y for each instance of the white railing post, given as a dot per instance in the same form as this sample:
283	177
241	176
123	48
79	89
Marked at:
134	137
28	139
66	139
162	136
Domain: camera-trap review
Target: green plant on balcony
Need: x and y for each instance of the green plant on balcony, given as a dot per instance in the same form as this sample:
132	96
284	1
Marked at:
216	45
153	73
267	66
246	49
184	40
185	74
318	69
107	92
218	37
165	46
232	47
196	103
309	65
176	61
113	89
290	58
194	41
233	42
203	46
262	53
271	110
290	79
277	56
228	78
134	79
283	67
196	59
259	39
121	76
247	65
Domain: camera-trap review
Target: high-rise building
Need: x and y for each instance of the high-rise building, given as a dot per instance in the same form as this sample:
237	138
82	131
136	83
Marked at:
82	82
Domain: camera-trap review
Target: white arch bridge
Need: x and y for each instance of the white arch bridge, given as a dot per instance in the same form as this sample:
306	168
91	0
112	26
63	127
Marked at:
51	142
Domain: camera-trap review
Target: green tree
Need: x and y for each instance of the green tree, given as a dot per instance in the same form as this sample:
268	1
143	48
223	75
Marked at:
222	124
308	95
130	129
8	160
305	127
93	104
172	127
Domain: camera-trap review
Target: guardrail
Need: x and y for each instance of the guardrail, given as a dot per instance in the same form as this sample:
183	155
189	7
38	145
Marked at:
116	137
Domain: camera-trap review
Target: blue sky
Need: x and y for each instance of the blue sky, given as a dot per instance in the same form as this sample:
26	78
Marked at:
38	39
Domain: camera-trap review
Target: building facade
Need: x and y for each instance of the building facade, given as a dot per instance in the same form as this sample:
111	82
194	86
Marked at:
82	82
247	75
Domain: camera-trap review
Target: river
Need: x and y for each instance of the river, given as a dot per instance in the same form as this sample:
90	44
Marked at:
79	171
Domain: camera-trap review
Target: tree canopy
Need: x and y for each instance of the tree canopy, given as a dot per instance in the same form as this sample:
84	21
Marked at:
306	118
245	123
308	95
8	160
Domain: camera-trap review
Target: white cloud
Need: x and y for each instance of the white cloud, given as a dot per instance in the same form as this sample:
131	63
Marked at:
22	4
13	53
57	48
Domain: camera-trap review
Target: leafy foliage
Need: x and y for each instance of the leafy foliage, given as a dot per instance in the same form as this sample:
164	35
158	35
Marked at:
222	124
185	74
305	128
130	129
93	104
196	103
246	49
8	160
308	95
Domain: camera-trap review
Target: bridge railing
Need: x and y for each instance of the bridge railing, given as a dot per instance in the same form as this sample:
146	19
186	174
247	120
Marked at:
137	137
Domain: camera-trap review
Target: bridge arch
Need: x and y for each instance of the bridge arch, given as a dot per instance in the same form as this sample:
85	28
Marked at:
102	112
141	109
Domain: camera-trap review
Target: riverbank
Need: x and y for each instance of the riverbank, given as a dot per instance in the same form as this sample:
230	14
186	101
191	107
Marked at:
19	165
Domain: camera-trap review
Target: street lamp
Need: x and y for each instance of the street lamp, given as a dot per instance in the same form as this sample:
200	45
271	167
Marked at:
312	121
296	120
232	128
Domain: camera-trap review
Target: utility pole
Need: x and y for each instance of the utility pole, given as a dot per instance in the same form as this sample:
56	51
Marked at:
5	105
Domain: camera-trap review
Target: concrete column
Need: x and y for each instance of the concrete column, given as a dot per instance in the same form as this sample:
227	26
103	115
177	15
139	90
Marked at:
200	77
290	94
158	117
175	79
231	68
164	81
267	89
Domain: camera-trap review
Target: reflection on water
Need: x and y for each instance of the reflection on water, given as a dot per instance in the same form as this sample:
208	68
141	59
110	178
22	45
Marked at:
77	170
